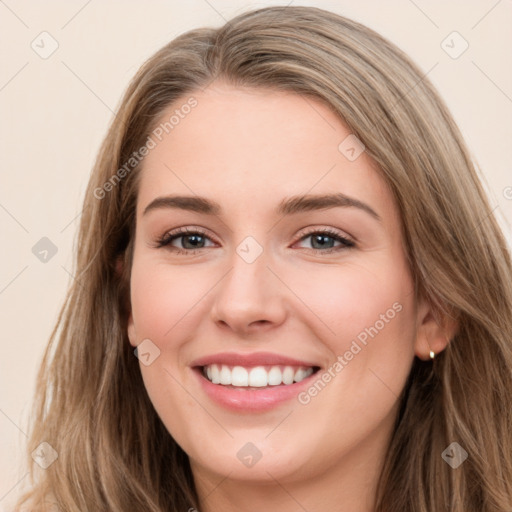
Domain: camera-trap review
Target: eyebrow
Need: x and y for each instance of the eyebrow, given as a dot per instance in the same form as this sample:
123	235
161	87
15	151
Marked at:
288	206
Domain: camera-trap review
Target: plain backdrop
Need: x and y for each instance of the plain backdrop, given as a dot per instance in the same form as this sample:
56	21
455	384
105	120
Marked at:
55	109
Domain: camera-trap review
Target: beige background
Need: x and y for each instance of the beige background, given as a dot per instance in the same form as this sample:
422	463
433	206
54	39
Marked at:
54	113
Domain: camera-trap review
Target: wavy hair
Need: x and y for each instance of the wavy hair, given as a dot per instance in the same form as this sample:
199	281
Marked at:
91	406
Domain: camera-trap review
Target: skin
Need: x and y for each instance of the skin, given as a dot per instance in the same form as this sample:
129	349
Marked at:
248	149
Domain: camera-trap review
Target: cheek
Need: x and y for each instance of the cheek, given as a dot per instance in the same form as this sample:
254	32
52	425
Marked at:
362	313
358	302
165	305
163	300
364	316
370	318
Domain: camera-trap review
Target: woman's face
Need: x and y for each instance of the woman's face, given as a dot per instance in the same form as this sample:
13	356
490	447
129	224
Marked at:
292	259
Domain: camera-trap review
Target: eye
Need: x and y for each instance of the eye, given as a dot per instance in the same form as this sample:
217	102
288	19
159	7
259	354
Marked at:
191	240
323	240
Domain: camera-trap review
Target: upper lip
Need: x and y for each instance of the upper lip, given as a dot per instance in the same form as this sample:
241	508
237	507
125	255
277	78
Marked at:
254	359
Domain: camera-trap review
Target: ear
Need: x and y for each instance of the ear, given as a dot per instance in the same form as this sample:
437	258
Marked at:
119	266
434	331
119	269
131	331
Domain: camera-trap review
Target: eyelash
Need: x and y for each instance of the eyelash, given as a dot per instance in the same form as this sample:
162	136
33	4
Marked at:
168	237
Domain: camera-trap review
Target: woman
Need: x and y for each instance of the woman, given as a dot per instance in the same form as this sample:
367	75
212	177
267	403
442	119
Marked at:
291	291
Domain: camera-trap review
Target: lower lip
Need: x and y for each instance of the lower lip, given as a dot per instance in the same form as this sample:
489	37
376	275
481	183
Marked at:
251	399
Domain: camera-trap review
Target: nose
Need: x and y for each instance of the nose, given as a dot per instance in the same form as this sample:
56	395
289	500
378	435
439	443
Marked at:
249	299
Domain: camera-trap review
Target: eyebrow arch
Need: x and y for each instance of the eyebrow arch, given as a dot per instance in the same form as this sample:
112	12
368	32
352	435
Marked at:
288	206
190	203
298	204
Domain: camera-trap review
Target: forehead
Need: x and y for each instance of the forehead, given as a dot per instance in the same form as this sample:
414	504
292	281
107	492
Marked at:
253	147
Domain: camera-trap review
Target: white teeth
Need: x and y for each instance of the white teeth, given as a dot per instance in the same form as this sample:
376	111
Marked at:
300	374
215	374
239	376
288	375
275	376
225	375
257	376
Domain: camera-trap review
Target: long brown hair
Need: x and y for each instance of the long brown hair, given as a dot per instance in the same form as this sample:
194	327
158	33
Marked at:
114	452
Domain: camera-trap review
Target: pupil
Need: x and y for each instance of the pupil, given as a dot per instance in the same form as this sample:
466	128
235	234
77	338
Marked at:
321	239
195	239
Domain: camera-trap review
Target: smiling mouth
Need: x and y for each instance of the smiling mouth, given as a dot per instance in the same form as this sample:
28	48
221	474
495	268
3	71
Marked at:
256	377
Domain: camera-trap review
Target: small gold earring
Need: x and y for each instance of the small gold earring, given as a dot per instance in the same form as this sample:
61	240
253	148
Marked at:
432	354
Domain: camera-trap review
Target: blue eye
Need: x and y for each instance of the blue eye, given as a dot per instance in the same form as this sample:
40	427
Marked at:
325	240
193	240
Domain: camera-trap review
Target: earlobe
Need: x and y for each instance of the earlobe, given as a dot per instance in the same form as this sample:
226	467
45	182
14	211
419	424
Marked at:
131	331
119	266
433	335
119	269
